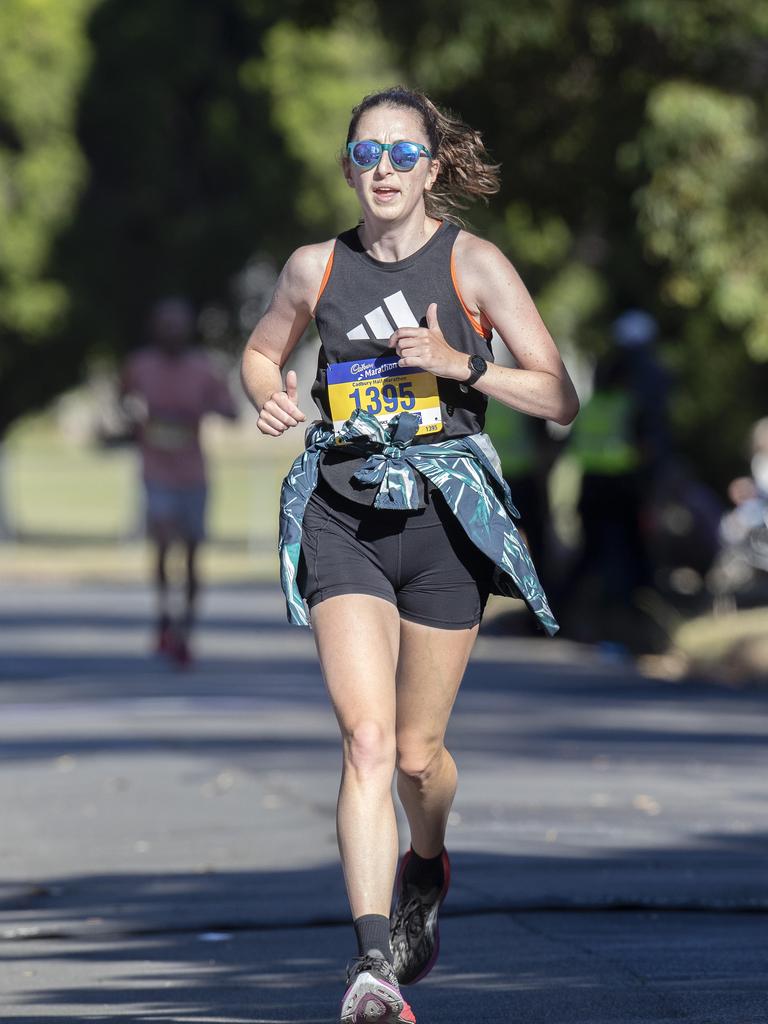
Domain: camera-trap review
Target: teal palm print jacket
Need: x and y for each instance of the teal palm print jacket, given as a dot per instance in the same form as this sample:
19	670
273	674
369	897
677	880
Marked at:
467	472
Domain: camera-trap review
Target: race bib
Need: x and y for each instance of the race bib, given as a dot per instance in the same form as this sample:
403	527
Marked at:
380	387
168	434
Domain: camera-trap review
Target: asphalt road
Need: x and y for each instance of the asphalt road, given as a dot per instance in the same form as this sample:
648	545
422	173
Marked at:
167	848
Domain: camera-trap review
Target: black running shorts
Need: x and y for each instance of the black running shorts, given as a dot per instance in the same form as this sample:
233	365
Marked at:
423	562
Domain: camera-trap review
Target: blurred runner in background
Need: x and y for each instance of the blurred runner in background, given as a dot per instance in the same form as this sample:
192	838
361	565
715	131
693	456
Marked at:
167	388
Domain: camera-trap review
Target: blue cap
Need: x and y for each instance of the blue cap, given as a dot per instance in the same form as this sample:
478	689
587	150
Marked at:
634	328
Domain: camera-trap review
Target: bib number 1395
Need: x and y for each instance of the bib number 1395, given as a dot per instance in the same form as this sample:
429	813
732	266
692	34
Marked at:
380	387
388	398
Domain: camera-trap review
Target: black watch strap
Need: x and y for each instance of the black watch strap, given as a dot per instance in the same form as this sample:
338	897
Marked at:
477	367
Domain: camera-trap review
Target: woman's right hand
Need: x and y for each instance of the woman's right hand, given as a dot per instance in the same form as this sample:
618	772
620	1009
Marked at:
280	411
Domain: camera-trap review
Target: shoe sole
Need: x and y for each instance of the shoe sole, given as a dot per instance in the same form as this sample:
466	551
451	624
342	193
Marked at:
369	1000
436	950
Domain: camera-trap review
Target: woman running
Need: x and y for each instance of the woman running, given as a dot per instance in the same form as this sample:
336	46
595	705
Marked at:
395	521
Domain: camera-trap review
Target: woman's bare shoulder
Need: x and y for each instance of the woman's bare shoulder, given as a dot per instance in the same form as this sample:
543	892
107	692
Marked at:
482	269
306	265
302	274
474	253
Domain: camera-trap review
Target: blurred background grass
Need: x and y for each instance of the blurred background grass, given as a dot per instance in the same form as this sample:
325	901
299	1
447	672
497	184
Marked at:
76	508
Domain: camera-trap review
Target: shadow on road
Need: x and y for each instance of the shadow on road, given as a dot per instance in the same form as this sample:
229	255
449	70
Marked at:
648	913
271	946
498	712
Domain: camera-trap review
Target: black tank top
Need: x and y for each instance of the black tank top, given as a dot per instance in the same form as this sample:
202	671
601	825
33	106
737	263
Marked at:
363	302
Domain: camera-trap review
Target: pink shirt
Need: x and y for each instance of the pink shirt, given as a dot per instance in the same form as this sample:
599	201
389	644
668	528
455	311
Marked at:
177	391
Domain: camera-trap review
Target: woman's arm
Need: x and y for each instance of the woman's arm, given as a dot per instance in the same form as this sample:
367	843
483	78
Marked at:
491	288
540	386
275	336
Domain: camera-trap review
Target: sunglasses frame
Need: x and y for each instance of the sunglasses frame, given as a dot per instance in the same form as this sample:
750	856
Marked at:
386	147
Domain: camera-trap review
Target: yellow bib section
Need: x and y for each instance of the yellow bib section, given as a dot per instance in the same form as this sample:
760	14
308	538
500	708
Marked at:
383	388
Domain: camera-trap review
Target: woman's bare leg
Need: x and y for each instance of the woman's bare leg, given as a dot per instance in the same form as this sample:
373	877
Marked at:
429	672
357	638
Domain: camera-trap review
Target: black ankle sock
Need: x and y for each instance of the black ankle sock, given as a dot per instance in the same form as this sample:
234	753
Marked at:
424	872
372	931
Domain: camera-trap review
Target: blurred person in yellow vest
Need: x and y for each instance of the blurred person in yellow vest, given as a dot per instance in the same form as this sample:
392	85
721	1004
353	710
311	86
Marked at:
525	457
167	388
607	441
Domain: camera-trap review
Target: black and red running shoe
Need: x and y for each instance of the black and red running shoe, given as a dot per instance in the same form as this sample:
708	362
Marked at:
413	927
164	636
373	994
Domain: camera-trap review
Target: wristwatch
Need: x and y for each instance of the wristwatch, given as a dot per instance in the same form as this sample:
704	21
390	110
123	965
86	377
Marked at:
477	367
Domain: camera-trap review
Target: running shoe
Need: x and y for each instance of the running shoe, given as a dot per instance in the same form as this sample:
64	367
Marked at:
413	927
373	994
180	651
164	636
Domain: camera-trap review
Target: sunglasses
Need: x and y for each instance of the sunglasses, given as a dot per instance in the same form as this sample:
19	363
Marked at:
402	155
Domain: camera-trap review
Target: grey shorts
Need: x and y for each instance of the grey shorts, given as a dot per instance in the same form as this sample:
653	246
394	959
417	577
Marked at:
421	562
175	513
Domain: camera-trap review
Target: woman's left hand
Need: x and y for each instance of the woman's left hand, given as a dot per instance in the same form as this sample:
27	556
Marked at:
426	348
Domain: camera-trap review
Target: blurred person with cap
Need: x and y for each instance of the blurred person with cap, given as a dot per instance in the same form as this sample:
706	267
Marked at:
621	443
606	443
167	387
634	334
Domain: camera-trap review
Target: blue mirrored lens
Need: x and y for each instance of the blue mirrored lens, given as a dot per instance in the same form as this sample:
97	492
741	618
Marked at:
404	155
366	154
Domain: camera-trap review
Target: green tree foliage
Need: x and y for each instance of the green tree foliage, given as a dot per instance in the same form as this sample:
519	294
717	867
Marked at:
631	134
314	77
187	174
631	137
704	209
44	58
703	215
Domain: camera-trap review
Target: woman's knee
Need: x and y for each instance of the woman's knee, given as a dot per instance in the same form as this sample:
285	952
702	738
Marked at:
369	748
419	758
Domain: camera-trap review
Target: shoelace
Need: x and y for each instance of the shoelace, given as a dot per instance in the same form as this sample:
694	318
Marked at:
371	963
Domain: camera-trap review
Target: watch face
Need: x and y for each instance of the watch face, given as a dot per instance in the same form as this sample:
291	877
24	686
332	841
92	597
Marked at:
478	364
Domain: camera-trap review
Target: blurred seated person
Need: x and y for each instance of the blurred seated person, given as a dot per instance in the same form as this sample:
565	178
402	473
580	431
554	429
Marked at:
749	493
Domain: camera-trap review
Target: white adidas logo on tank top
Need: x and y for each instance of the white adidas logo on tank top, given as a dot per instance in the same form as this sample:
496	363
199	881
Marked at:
380	325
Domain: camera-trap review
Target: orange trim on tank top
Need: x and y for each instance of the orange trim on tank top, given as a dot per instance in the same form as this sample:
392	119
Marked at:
472	319
326	275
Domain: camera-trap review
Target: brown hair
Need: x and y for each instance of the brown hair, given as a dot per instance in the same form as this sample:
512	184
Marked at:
466	171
